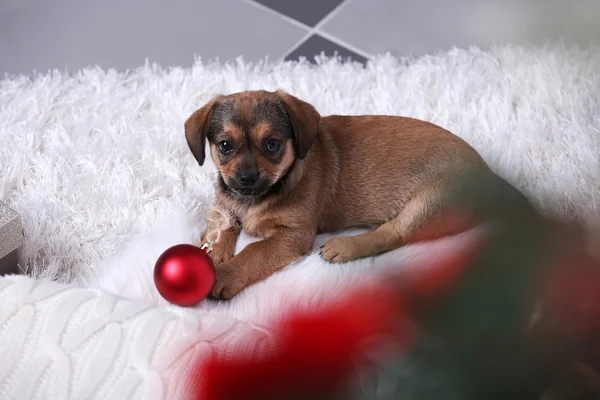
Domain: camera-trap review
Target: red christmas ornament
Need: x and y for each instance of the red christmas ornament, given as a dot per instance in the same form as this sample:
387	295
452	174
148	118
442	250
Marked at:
184	274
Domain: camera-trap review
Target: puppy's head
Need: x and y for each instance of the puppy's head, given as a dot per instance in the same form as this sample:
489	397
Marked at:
254	138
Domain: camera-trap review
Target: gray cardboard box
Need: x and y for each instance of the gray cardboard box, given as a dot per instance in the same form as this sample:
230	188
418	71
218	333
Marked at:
11	238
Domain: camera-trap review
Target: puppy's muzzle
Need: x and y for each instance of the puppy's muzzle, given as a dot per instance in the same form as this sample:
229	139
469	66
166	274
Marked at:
247	180
249	184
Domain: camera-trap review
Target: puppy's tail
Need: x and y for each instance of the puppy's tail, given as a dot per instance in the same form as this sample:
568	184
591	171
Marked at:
496	199
509	201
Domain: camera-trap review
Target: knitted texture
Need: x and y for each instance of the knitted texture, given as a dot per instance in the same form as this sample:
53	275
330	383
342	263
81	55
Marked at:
63	342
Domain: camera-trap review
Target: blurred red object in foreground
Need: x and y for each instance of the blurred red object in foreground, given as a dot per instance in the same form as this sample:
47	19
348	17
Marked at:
316	352
573	296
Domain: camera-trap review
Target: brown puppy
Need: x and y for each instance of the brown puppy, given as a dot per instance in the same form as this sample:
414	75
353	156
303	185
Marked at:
286	174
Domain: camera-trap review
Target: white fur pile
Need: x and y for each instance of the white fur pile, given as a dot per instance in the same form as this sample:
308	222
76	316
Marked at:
97	165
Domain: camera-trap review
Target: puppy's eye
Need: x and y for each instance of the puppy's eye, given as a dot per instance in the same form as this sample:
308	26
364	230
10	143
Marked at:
225	146
272	145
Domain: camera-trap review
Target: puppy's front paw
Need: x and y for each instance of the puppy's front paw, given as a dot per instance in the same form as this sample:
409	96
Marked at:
339	249
221	253
229	281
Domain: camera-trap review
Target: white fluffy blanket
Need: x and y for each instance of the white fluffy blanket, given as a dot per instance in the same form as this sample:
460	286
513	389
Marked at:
97	164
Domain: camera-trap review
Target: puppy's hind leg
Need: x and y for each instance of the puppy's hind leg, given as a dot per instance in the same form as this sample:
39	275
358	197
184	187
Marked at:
430	214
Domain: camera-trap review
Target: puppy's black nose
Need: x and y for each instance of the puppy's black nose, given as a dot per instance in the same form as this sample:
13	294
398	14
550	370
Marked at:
247	179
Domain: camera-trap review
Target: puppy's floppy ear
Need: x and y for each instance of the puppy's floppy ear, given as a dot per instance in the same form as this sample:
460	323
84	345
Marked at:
305	122
196	128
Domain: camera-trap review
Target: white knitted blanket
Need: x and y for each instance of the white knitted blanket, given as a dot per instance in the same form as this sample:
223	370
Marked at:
97	166
60	342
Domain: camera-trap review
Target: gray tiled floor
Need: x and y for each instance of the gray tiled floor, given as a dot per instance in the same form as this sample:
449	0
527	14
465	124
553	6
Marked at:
307	12
71	34
317	44
420	27
122	34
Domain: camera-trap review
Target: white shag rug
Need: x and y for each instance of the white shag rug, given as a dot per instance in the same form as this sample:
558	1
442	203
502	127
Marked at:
94	160
97	165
